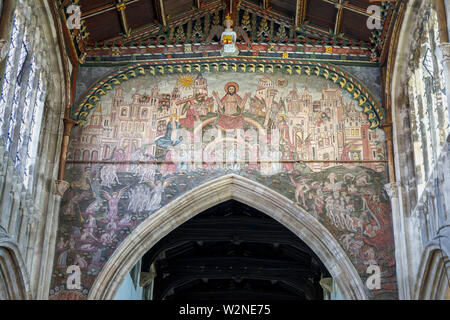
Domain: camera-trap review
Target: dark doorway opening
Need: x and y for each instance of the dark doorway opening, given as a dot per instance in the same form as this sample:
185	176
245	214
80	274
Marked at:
234	252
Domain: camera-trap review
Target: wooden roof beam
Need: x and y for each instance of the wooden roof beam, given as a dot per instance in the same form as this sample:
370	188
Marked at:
300	13
103	9
160	12
338	24
121	7
349	7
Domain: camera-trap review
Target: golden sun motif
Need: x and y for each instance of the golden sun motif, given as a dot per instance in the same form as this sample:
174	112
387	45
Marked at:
186	82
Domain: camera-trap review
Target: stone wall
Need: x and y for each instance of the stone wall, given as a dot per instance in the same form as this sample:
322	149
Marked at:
27	219
421	221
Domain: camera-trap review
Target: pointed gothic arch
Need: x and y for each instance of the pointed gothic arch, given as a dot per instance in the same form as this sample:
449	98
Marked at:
14	281
433	276
229	187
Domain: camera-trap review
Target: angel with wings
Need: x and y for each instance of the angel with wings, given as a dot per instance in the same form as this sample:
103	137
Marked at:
113	203
157	192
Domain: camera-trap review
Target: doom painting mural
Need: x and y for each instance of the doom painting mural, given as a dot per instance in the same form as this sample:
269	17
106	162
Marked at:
151	140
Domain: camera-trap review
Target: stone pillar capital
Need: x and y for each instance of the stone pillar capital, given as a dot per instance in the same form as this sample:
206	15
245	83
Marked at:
3	49
61	187
391	190
68	125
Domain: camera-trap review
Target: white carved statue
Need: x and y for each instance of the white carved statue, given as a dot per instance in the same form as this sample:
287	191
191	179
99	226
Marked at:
228	39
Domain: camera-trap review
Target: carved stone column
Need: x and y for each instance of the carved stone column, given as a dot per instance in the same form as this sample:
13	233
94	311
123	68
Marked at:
61	185
400	225
391	190
444	57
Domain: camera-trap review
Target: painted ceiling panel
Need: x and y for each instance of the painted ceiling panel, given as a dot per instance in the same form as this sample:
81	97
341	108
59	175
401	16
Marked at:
355	25
141	13
99	30
321	14
88	5
287	8
174	8
361	3
321	23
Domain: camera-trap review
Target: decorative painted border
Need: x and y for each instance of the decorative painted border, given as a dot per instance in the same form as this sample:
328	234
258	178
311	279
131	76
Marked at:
365	99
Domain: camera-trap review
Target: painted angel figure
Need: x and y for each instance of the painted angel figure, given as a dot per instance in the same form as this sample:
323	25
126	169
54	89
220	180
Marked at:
228	39
157	192
113	203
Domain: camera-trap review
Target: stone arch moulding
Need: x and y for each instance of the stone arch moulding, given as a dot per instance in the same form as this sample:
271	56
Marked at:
360	93
228	187
14	280
432	282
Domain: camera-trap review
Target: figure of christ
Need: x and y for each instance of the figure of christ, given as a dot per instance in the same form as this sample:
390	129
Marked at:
231	107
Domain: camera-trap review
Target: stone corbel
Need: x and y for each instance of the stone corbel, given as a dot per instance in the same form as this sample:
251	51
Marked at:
61	187
327	285
3	49
147	277
391	190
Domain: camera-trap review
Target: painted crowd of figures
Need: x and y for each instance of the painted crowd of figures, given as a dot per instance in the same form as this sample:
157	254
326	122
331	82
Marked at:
106	202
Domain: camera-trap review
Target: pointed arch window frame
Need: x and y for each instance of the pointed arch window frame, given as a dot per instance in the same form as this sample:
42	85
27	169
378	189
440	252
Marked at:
23	88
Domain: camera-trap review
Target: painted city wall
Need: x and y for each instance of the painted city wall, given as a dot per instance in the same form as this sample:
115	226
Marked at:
151	139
